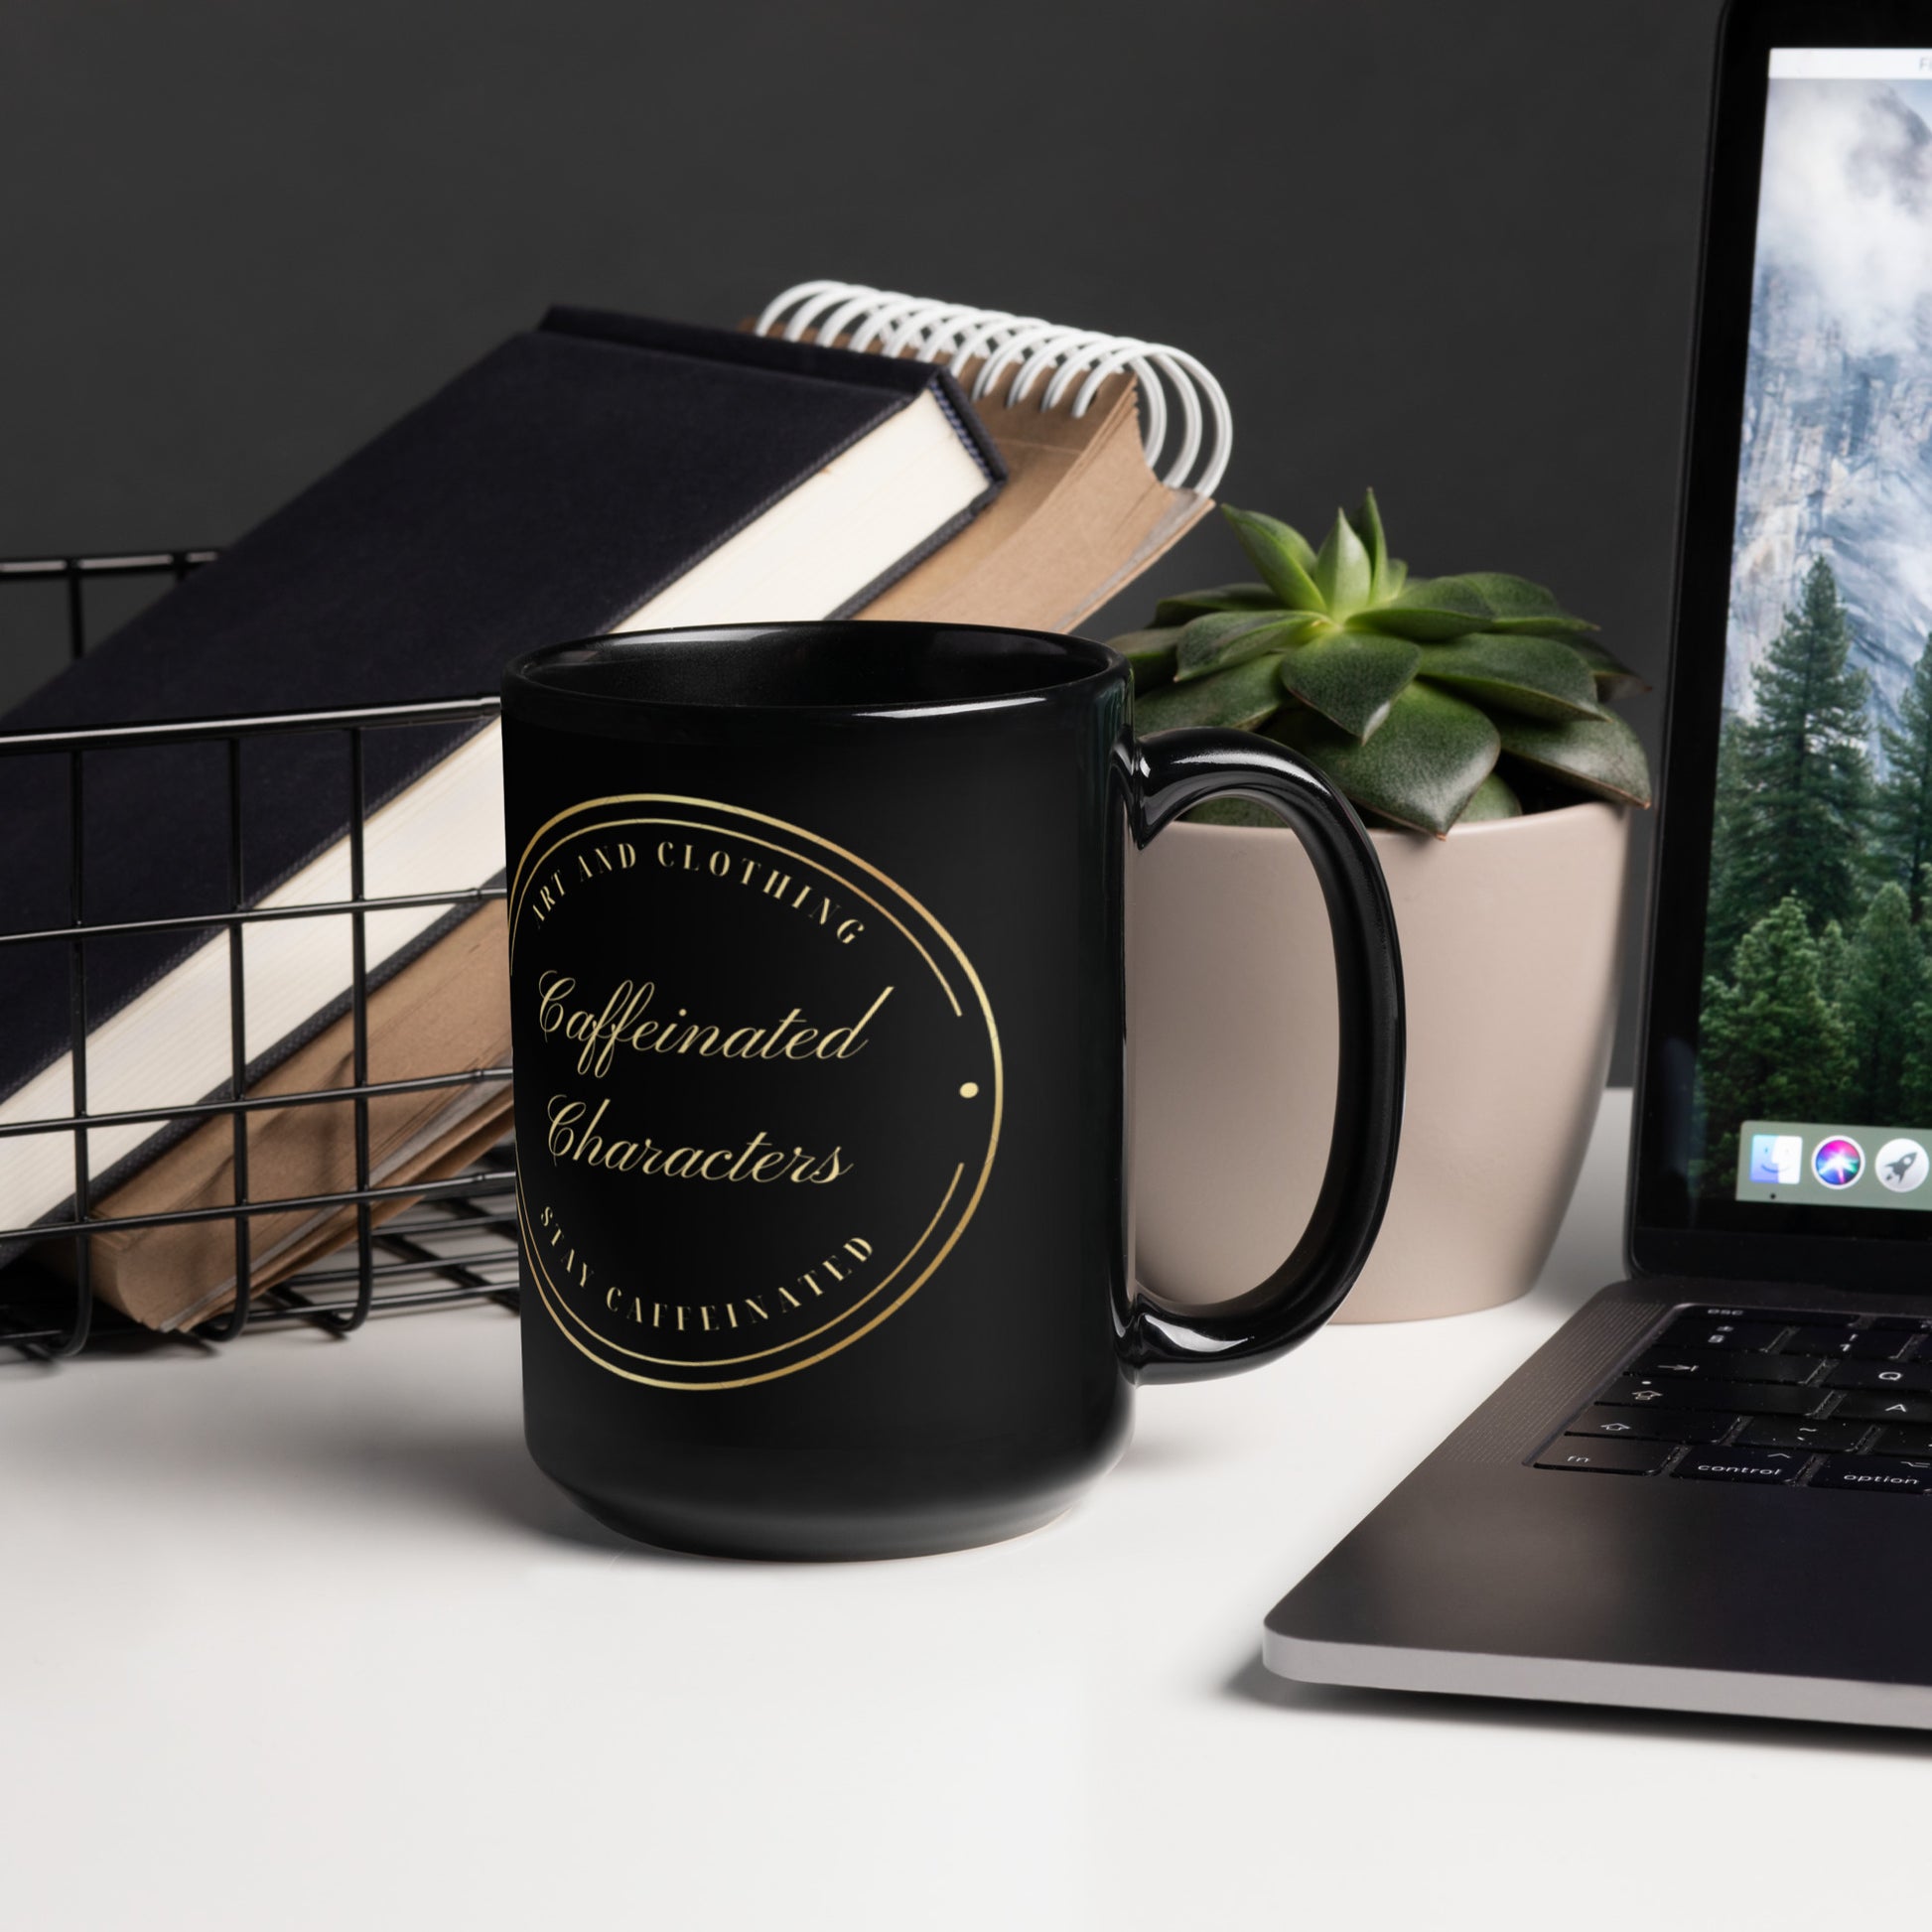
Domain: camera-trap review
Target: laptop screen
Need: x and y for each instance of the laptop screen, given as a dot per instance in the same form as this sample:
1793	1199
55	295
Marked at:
1813	1082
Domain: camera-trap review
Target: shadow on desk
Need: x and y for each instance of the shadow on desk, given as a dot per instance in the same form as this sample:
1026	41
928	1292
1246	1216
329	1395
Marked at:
492	1480
1255	1683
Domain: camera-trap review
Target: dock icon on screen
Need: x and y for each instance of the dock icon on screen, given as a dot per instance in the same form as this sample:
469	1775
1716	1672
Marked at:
1776	1159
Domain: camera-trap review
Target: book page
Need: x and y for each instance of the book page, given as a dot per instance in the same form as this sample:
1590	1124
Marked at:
1081	517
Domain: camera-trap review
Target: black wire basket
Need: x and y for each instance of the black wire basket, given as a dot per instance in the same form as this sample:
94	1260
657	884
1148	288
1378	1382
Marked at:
454	1245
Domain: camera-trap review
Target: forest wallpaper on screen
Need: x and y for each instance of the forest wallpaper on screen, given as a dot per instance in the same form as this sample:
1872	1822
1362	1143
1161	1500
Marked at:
1817	997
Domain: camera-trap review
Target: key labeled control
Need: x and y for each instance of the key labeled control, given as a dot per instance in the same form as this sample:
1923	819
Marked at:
1742	1465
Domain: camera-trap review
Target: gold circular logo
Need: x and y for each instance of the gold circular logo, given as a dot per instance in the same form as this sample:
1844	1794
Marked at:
759	1089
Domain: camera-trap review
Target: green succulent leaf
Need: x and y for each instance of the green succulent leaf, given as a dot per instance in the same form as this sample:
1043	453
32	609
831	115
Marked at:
1351	677
1342	571
1150	654
1599	755
1286	536
1227	637
1515	603
1405	692
1223	597
1434	610
1281	554
1490	799
1614	679
1368	526
1239	698
1420	768
1431	610
1541	676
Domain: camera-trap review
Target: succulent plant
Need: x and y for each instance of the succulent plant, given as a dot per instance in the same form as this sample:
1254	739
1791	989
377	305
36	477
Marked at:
1429	702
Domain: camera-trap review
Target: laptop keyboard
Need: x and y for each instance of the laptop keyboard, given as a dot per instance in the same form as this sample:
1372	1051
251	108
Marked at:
1746	1395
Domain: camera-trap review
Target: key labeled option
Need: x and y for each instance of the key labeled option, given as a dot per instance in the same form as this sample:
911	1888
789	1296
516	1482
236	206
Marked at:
1885	1474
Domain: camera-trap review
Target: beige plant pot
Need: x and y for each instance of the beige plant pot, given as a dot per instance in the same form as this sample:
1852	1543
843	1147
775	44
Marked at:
1509	933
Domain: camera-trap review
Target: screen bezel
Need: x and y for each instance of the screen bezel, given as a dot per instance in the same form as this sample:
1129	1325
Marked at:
1668	1229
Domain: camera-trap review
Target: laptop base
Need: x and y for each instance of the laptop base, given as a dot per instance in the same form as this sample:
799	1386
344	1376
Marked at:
1484	1574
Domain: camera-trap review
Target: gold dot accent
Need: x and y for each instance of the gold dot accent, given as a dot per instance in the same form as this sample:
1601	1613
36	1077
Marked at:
970	1091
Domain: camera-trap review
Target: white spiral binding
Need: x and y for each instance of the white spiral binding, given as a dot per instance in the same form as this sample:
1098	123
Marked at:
1024	352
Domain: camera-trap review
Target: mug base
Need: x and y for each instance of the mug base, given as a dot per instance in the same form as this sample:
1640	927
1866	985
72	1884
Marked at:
866	1541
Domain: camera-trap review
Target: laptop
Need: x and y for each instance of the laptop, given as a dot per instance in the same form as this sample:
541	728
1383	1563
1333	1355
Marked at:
1711	1490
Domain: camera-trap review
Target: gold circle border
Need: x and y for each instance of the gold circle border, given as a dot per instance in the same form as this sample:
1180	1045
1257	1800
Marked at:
547	1289
952	999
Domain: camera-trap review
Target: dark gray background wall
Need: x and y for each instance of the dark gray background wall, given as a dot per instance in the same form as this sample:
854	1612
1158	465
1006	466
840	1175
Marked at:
1440	246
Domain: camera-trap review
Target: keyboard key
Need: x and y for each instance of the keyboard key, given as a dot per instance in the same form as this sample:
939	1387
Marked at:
1793	1392
1741	1465
1698	1330
1742	1398
1884	1473
1876	1406
1912	1378
1725	1365
1607	1458
1855	1344
1652	1425
1775	1433
1841	1402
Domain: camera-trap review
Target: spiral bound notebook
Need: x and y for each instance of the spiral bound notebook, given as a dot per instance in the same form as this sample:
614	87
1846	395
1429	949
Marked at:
1113	447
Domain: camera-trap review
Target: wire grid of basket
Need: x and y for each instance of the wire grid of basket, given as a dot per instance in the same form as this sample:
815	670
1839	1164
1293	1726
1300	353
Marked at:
456	1245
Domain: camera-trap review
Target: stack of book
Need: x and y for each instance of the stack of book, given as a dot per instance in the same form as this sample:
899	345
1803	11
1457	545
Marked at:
853	453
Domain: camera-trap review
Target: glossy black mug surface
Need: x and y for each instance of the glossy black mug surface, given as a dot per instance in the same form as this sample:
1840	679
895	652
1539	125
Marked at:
817	965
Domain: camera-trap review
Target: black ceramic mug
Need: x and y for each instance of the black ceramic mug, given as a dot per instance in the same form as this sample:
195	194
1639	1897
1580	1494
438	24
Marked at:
817	963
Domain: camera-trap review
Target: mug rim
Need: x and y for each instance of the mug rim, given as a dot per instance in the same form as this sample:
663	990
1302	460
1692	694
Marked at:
528	688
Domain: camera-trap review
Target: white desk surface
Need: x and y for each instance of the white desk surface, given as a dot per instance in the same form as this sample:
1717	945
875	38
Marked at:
295	1636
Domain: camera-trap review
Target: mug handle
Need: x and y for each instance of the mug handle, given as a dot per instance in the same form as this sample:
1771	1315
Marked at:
1168	774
